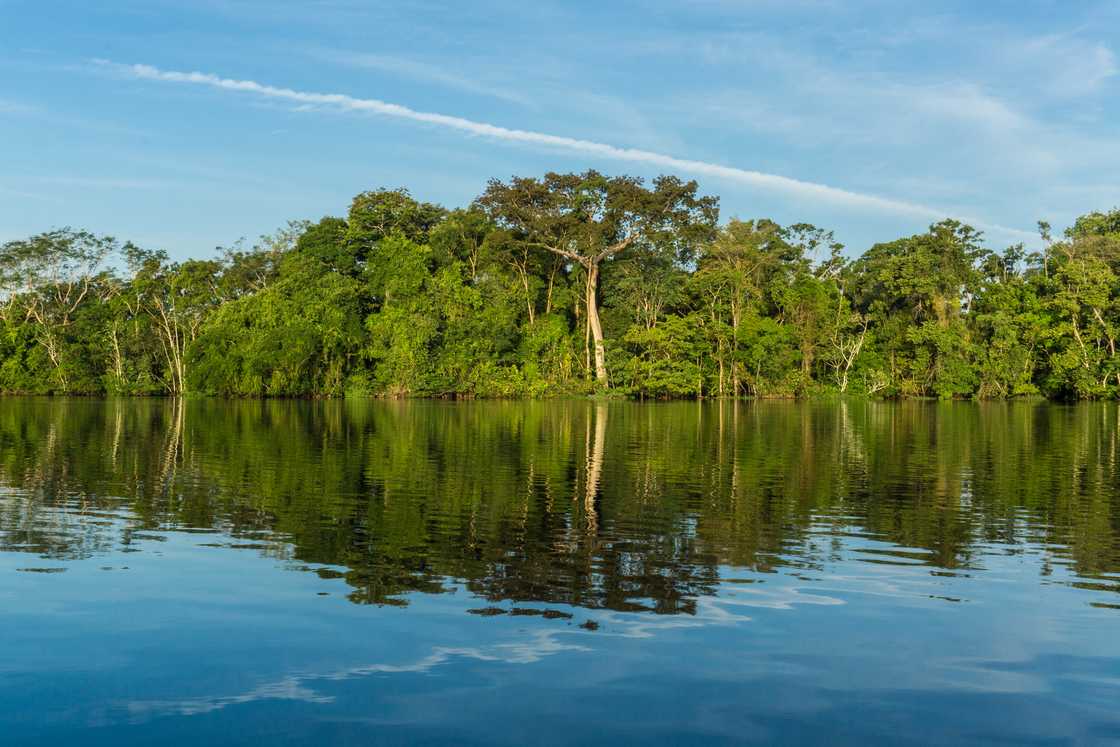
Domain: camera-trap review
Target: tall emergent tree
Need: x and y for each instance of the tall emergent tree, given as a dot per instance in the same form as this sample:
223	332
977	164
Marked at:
588	219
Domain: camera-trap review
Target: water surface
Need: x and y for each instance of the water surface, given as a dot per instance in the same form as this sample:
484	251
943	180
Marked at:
357	572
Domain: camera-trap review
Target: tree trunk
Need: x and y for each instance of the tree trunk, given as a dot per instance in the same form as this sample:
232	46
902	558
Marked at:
522	267
594	324
118	359
551	285
528	297
735	377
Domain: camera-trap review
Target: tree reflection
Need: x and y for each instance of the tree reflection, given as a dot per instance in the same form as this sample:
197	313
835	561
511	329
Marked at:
620	506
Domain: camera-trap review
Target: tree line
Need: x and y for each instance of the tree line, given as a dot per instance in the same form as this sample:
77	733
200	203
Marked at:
566	284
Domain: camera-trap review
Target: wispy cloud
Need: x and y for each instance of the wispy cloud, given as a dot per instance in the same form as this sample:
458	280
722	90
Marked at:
1002	116
299	687
424	72
27	195
97	182
8	106
1064	65
797	188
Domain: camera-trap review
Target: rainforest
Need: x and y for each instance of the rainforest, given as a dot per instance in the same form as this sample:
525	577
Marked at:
566	284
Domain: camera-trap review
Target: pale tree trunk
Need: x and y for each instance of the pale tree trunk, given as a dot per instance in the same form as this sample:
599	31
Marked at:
556	265
594	329
721	393
52	347
586	337
522	267
50	343
528	299
848	354
594	324
1107	332
174	348
118	357
736	377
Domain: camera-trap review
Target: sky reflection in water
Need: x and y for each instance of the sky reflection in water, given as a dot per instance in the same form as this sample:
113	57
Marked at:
557	572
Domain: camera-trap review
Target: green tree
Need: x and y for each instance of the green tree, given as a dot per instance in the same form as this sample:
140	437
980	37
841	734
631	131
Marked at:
917	289
588	219
297	337
46	279
732	276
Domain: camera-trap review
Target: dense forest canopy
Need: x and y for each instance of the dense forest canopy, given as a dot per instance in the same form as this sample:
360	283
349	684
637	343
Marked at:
566	284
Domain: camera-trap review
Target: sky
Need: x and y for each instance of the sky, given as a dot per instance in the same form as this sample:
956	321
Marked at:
187	125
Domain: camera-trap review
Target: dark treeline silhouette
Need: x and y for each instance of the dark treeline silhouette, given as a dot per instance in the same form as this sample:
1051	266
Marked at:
567	284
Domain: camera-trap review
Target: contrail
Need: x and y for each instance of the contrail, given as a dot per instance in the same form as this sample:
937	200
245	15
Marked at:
773	182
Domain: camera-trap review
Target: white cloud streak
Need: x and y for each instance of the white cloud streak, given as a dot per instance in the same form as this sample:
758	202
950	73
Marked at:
769	182
16	107
105	183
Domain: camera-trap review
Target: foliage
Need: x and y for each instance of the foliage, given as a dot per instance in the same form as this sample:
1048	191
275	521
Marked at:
566	284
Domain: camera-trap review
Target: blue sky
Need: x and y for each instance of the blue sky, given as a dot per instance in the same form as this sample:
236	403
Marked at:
867	117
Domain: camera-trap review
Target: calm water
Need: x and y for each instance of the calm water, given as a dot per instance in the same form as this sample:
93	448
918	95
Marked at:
378	572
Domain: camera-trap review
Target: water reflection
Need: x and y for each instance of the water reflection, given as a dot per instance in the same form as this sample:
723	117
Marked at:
610	506
302	687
